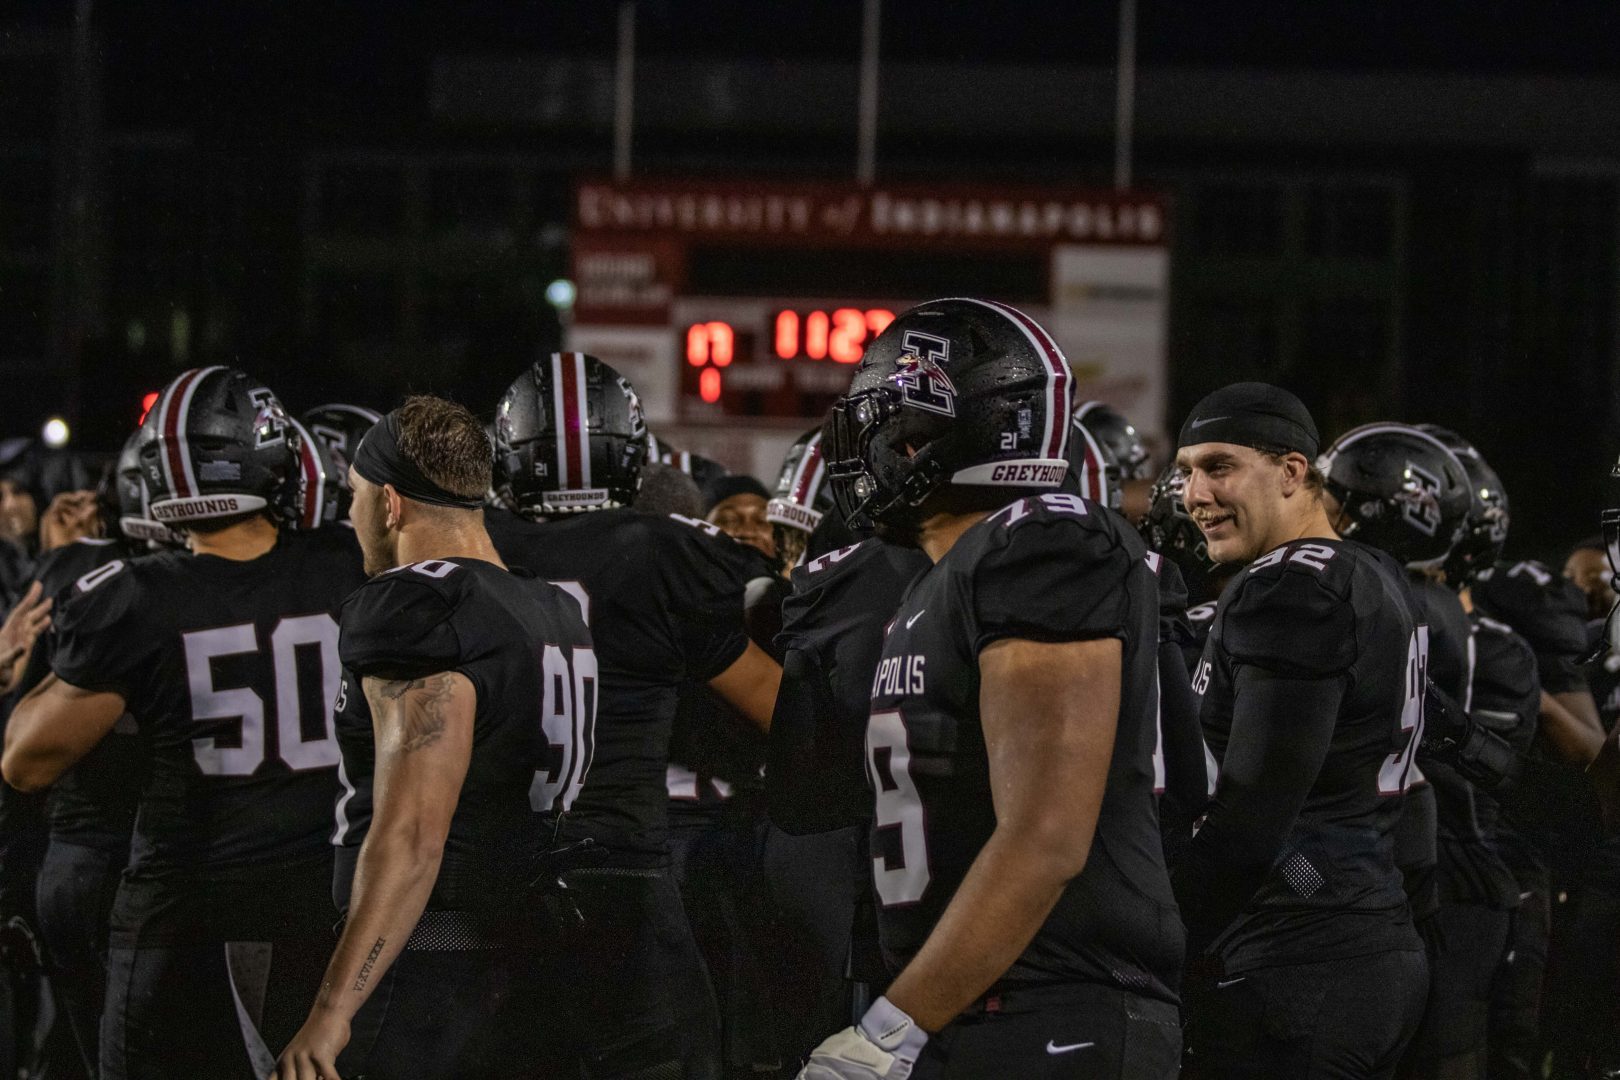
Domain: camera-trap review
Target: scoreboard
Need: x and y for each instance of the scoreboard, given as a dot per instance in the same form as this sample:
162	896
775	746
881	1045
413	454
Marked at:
739	310
771	358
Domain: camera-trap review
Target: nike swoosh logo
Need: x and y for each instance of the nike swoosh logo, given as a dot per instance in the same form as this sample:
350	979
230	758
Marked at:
1224	983
1053	1048
914	618
1207	420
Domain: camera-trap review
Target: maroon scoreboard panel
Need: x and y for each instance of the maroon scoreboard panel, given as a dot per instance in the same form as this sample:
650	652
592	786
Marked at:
743	307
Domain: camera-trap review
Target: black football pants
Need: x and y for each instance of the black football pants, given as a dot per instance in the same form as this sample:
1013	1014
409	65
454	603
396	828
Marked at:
716	860
1516	994
817	883
217	1010
1465	946
641	1005
434	1014
1335	1020
75	895
1070	1032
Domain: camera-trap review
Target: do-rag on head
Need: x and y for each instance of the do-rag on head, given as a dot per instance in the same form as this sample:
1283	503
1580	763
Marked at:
1253	414
380	460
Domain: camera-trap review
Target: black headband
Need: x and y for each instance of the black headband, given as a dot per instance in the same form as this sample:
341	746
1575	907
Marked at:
380	460
1253	414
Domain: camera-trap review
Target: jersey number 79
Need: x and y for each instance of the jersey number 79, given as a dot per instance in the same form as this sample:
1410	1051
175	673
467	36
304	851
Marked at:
899	812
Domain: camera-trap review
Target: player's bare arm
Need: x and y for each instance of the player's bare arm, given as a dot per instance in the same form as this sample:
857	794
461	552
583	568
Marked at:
424	731
1575	737
1050	711
750	685
52	728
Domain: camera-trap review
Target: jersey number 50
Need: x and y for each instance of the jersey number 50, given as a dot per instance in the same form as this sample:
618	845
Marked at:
244	705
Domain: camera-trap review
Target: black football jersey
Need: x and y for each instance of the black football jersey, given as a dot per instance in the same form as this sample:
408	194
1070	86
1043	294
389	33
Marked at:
1505	696
664	601
1200	620
1327	609
1470	870
523	645
714	751
1552	806
1053	568
1547	610
831	640
93	803
231	668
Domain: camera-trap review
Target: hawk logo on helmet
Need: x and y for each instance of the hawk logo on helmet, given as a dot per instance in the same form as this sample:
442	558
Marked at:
270	423
920	375
1419	499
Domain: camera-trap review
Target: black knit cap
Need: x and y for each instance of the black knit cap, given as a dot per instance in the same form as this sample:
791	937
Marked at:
721	488
1253	414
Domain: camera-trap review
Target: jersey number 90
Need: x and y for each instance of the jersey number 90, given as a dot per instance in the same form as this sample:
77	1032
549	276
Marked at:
568	719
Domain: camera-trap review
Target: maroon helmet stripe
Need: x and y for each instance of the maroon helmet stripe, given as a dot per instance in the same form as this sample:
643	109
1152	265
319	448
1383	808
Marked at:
566	367
810	470
176	404
1093	480
1057	383
314	482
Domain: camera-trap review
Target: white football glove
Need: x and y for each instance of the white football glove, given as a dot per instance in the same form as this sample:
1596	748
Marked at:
883	1046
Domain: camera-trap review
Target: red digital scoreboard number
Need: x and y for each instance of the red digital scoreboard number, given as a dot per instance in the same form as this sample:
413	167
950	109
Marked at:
799	373
839	335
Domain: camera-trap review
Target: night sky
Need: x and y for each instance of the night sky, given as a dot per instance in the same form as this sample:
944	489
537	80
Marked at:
241	67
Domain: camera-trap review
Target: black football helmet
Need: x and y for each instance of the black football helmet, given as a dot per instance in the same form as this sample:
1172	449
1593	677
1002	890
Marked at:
1171	531
1486	529
569	436
135	519
320	499
1399	489
337	430
1091	466
960	404
1128	454
217	444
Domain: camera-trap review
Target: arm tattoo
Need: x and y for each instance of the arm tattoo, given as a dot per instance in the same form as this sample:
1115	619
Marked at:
365	968
422	717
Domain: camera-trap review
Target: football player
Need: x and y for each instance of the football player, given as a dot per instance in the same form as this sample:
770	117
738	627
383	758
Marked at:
467	704
1403	491
1551	827
716	808
736	506
1506	693
91	805
227	659
1588	568
816	855
1023	901
1312	683
1124	457
665	602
